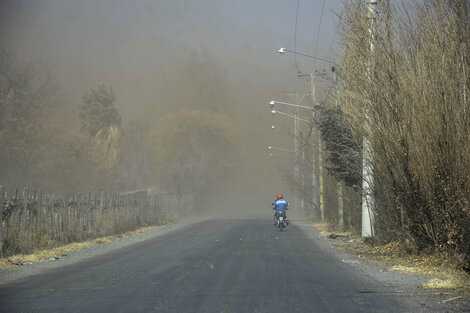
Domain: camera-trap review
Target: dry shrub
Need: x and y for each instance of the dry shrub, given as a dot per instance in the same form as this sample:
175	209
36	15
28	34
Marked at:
413	91
118	222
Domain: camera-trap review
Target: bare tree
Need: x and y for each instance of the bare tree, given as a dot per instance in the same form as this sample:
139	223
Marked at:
419	116
26	98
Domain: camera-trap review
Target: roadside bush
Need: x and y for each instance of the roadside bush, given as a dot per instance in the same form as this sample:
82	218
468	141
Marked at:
410	98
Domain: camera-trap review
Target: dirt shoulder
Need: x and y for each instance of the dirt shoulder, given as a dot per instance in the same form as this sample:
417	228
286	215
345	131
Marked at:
423	283
20	267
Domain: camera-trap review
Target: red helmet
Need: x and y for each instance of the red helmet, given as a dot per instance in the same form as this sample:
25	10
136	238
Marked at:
279	196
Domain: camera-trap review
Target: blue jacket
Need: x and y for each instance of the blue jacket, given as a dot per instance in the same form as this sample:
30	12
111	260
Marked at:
280	205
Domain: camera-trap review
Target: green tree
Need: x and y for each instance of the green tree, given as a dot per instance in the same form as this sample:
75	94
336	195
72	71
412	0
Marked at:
344	154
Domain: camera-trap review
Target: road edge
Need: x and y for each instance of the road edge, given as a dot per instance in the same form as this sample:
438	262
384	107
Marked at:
405	287
31	269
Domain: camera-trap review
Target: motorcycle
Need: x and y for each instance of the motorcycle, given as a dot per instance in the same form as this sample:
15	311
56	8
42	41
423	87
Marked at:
281	221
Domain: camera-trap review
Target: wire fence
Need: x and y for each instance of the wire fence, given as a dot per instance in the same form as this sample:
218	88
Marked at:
31	220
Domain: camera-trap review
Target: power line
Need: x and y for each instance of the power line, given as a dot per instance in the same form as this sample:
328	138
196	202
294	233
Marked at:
319	27
295	35
330	50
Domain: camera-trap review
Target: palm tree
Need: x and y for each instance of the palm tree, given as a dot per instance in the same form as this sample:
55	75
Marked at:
100	119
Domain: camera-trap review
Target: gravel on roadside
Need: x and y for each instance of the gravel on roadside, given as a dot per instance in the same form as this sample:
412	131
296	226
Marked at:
405	287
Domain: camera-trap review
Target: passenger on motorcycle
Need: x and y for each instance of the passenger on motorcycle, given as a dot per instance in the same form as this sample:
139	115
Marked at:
280	206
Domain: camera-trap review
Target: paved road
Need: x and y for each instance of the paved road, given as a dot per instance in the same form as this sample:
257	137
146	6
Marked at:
214	266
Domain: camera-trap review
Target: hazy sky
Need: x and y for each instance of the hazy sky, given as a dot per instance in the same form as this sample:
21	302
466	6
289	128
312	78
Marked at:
136	37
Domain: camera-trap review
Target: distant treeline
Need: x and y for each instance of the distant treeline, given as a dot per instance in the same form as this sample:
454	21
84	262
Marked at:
31	220
185	143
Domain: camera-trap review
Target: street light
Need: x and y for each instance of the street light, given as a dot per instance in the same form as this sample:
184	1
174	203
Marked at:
278	127
296	129
333	69
281	149
283	50
289	115
272	103
368	176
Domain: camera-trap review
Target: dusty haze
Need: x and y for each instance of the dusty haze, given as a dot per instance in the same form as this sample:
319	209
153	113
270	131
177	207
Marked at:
160	57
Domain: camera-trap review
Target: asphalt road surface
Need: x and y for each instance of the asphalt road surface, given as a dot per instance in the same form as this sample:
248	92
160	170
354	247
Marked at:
221	266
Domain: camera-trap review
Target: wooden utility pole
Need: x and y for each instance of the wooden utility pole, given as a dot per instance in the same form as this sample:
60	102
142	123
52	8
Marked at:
319	162
339	184
298	99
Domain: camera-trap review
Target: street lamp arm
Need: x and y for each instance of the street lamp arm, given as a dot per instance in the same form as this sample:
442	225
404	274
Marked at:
281	149
272	103
289	115
282	50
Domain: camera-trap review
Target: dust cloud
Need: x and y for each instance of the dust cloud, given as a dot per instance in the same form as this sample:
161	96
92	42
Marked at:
191	82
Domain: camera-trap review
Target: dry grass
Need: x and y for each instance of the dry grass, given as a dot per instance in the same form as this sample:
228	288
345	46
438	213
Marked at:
437	283
444	272
323	227
55	253
326	230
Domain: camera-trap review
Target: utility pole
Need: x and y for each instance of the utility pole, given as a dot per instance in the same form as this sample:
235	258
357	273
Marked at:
302	200
297	98
320	157
315	199
368	201
339	184
296	152
320	160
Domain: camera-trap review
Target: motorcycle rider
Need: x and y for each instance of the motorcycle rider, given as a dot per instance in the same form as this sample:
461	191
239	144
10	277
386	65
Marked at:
280	206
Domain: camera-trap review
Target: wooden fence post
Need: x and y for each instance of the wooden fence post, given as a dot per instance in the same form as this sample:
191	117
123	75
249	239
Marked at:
100	212
65	217
89	209
53	218
24	208
41	216
2	196
34	213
